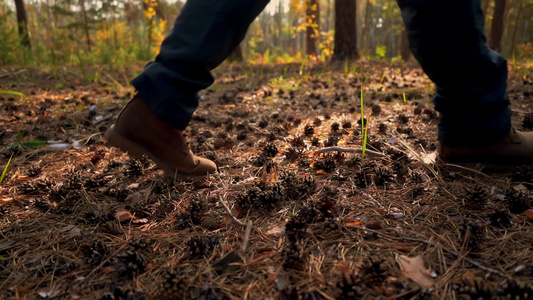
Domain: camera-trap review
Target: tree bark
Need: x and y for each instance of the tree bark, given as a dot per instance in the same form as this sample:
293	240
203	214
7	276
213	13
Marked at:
364	35
405	52
345	30
496	30
515	29
86	25
312	26
22	21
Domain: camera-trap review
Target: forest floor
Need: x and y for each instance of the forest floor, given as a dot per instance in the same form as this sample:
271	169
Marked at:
80	220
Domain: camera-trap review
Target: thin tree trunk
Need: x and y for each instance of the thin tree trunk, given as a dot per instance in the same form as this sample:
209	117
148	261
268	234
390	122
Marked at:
345	30
496	30
86	25
485	7
515	29
312	26
405	52
22	21
364	34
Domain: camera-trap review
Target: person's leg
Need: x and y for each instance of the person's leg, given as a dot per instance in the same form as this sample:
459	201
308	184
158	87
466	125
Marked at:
203	36
151	124
447	39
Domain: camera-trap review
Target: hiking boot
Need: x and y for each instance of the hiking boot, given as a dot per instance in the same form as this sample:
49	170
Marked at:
139	132
516	149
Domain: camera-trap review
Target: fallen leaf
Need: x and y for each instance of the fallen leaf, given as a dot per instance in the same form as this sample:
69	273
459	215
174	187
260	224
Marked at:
140	221
429	158
357	223
529	214
132	186
134	198
123	215
230	262
413	268
276	231
469	276
321	172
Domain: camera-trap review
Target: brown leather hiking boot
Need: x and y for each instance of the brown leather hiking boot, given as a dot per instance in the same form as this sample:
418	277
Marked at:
139	132
514	150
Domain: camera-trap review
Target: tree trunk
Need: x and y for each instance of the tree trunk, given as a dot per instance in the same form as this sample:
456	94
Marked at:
405	52
364	35
312	31
86	25
22	21
345	30
496	30
515	29
236	54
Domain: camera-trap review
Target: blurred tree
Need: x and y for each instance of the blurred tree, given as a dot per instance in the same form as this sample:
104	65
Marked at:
85	25
312	26
515	29
22	22
236	54
345	30
405	52
496	30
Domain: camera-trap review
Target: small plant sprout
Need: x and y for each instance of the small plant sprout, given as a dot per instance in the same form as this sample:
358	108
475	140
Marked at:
404	99
13	93
4	173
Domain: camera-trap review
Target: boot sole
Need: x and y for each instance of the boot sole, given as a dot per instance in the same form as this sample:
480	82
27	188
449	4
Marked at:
133	149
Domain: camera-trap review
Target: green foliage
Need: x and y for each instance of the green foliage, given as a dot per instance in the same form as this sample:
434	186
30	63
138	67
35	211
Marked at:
381	51
9	40
122	31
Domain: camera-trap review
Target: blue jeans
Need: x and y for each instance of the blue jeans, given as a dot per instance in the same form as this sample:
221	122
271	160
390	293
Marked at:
446	37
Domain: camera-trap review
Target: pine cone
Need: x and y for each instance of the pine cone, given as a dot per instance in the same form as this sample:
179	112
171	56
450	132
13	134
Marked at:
476	198
172	286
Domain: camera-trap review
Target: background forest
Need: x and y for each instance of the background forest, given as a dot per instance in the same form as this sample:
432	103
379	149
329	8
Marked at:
324	137
85	32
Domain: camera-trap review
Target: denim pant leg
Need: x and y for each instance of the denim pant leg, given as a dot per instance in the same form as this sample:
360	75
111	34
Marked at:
447	39
204	34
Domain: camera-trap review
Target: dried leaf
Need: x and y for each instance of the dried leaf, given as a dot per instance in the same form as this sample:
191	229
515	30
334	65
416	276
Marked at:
529	214
123	215
429	158
277	231
134	198
356	223
413	268
132	186
231	262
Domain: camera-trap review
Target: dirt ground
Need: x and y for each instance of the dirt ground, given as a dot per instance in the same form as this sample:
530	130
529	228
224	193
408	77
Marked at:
79	220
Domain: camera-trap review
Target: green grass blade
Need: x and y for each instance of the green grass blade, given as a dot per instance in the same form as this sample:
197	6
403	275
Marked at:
33	144
364	127
404	99
6	92
4	173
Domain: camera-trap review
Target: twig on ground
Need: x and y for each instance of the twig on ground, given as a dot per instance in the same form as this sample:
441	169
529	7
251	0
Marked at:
228	210
246	235
351	150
